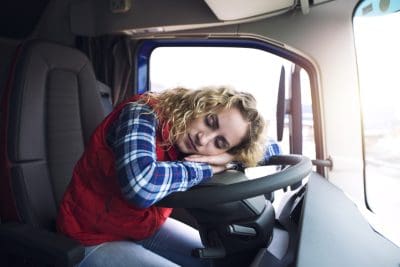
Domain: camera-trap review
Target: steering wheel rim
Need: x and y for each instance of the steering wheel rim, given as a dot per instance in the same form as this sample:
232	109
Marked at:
203	196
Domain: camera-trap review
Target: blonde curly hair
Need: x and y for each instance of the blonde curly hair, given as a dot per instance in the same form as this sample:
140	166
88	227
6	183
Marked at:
180	106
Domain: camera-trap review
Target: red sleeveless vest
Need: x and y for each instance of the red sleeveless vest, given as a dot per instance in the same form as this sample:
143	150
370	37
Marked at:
93	209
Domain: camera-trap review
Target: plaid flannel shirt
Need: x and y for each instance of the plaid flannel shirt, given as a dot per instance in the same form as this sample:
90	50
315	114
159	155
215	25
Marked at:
142	178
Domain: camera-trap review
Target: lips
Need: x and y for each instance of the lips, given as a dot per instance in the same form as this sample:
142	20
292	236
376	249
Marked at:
191	143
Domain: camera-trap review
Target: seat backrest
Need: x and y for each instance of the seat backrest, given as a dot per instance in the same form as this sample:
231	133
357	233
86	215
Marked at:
105	94
52	107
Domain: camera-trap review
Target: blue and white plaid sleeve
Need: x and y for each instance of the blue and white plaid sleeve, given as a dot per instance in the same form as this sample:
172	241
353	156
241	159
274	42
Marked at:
273	149
142	178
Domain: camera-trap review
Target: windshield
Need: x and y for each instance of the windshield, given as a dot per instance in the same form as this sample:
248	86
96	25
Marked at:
377	42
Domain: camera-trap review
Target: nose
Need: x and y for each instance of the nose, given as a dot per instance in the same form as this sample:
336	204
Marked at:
203	138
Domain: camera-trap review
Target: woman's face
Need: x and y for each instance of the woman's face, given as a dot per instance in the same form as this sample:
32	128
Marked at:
214	134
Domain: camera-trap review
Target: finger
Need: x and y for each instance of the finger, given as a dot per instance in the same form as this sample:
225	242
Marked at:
197	158
218	168
193	156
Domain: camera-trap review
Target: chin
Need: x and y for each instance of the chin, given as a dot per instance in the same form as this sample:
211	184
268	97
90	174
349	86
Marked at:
182	148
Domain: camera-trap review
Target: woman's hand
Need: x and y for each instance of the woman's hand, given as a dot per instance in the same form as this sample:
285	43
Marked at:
218	162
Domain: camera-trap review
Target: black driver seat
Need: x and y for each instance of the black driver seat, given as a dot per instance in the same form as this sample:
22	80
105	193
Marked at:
49	111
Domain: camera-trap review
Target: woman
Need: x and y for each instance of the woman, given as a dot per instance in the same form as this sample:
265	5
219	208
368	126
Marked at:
148	147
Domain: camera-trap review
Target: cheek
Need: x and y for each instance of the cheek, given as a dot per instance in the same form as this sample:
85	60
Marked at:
179	143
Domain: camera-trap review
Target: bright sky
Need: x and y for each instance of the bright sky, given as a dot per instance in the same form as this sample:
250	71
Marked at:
245	69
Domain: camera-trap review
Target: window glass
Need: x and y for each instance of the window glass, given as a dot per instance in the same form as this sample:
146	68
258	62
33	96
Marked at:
250	70
378	56
307	114
246	69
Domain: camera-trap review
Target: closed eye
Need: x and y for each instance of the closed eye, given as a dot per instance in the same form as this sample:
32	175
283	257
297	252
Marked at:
211	121
221	142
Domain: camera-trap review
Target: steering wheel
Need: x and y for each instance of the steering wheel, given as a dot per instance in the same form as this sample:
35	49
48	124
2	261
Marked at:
228	190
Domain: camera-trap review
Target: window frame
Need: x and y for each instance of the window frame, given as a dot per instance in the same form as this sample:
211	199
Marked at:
145	47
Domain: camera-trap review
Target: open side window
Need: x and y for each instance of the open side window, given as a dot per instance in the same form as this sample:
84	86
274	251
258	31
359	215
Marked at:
283	82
